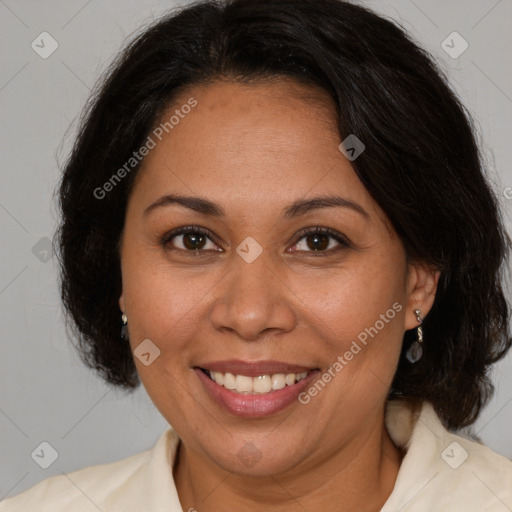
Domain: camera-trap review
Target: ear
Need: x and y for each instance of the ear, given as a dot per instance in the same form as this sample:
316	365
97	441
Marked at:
422	281
121	303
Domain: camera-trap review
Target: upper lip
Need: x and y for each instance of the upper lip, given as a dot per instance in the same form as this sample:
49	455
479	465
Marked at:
254	368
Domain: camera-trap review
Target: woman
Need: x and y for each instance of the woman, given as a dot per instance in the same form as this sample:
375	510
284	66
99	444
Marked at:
275	216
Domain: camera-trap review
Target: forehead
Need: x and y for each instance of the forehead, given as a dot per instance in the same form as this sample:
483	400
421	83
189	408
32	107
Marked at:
250	145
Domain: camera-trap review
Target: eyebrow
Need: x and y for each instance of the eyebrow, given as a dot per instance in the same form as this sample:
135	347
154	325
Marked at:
299	207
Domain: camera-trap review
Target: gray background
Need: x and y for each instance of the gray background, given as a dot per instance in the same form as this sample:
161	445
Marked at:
46	393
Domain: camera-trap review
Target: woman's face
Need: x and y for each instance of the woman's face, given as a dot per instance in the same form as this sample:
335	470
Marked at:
255	294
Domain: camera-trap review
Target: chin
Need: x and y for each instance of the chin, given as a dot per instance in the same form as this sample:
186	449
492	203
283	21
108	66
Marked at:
257	458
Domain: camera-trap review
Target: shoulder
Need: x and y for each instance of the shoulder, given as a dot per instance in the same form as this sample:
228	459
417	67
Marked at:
445	470
480	464
472	476
78	490
120	485
466	462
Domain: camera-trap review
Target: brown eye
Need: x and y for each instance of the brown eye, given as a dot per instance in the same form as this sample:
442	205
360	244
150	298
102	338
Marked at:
189	240
321	240
317	242
193	241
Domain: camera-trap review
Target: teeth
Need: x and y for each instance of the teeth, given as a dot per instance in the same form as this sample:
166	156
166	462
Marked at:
243	383
256	385
229	380
290	379
278	381
219	379
261	384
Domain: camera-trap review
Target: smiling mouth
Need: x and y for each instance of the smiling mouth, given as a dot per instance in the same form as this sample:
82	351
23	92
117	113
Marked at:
259	385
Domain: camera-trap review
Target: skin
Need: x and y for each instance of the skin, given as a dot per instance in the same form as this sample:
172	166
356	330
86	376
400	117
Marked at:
254	149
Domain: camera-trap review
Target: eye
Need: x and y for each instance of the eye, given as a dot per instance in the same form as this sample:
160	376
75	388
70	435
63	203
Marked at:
194	240
189	239
321	240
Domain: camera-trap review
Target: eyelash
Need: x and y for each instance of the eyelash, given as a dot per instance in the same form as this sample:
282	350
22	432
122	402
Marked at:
344	243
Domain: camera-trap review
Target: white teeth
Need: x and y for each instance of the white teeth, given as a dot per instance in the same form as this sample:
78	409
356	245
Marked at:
278	381
243	383
259	385
290	379
218	378
229	380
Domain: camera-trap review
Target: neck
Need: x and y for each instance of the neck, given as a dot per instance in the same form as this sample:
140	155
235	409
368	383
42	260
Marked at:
360	476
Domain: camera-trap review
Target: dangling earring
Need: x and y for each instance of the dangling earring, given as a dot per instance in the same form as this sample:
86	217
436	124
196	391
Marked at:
415	351
124	329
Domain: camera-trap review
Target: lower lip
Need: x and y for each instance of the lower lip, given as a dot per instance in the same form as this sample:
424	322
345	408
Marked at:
254	405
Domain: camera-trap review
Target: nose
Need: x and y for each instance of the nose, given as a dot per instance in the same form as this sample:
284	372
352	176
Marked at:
253	300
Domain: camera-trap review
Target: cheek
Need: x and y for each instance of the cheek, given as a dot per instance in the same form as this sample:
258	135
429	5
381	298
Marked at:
349	300
361	322
359	313
162	305
161	301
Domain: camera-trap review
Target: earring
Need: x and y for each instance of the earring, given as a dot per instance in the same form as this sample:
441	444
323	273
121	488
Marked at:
124	329
415	351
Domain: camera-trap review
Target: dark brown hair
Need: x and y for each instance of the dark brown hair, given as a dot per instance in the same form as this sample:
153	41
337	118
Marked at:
421	165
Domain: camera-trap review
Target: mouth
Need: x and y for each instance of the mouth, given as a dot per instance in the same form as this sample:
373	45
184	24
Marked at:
255	389
261	384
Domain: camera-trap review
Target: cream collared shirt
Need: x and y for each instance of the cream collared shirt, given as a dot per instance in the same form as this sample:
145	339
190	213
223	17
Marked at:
441	471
